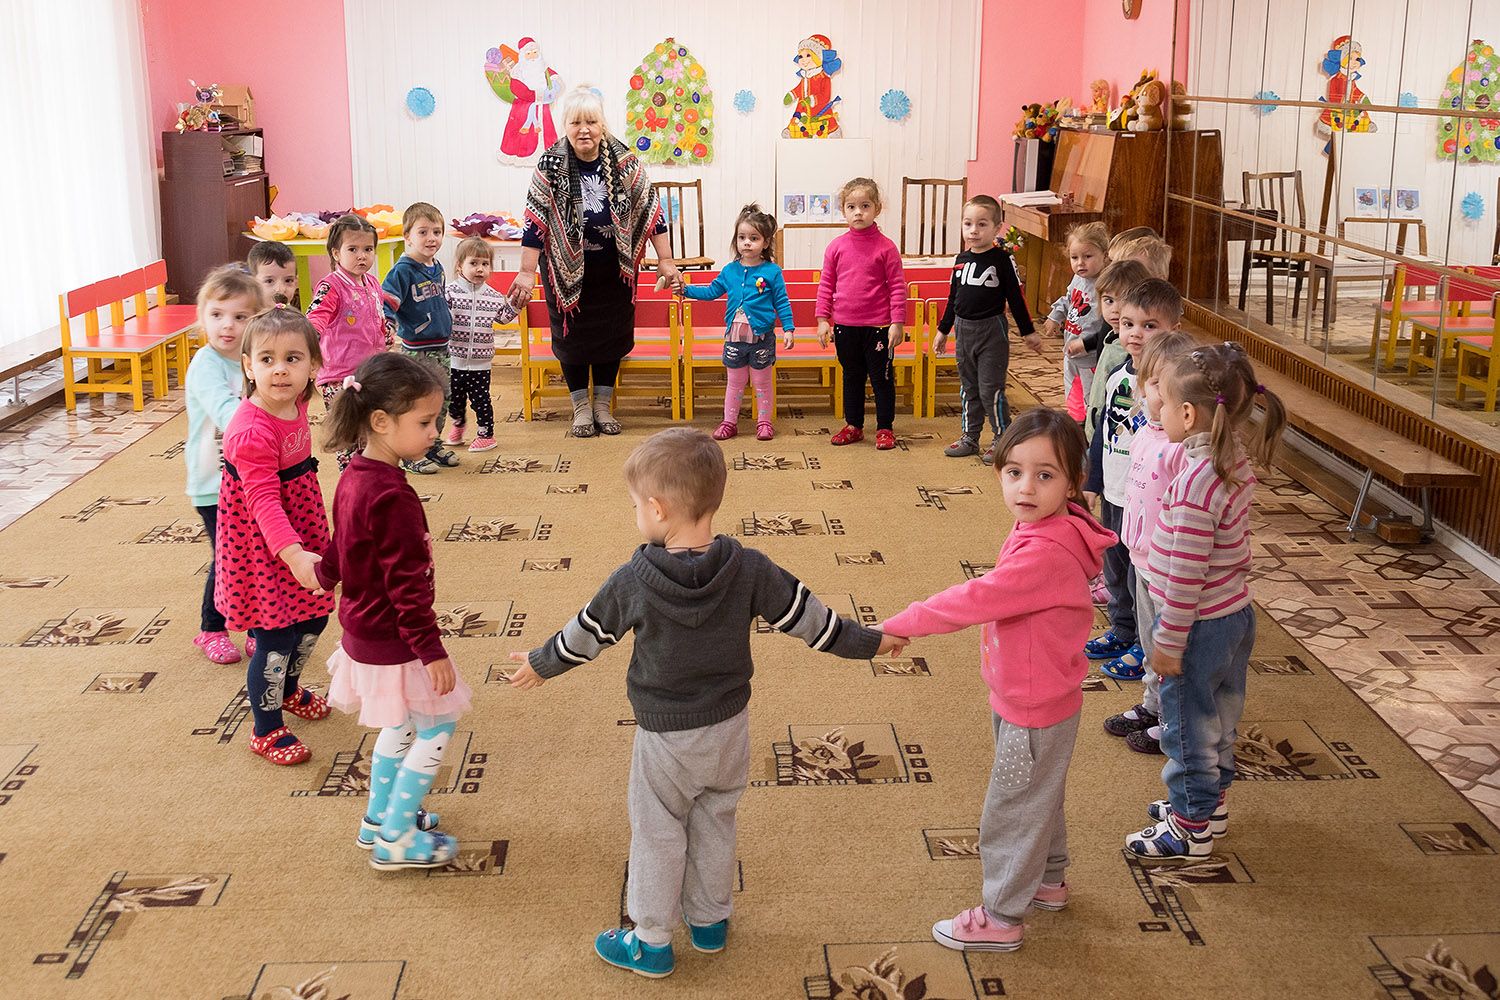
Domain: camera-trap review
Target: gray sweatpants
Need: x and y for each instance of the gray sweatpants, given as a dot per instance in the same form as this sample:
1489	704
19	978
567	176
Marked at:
684	788
1145	621
1023	836
982	349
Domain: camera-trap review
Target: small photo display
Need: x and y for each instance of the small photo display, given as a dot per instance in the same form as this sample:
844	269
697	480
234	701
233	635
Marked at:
1407	203
820	207
794	208
1366	202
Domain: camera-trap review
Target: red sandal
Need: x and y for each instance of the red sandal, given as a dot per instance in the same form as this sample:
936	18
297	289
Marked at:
265	746
313	709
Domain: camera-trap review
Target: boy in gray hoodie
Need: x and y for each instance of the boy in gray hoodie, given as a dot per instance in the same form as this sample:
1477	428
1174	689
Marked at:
691	597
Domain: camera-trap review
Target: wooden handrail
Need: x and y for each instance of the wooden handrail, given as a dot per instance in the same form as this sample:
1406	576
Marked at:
1345	107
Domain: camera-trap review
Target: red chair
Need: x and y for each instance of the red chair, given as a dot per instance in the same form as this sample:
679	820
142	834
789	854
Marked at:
541	372
1432	335
135	353
658	348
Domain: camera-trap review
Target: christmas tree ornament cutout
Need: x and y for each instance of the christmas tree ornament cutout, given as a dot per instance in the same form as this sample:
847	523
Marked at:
669	108
1474	85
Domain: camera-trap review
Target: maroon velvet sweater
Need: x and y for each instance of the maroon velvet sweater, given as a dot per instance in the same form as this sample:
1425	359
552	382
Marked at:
382	553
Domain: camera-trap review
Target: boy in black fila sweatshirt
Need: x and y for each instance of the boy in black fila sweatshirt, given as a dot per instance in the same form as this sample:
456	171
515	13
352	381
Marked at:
984	282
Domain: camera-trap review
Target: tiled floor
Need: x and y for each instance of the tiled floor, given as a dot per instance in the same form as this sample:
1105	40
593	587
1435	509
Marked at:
1414	630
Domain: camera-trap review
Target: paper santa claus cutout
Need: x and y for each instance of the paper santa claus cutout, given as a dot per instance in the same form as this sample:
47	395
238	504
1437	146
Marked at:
522	79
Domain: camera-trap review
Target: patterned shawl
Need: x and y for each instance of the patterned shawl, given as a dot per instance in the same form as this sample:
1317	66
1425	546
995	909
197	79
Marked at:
555	205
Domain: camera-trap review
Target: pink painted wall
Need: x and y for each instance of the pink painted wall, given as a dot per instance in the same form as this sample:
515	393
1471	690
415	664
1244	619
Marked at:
1083	43
290	53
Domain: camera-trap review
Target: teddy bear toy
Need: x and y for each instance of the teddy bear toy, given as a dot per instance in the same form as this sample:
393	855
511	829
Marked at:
1182	108
1150	99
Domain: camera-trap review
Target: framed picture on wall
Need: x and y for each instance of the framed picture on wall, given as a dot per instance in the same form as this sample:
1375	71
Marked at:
1407	203
1366	203
819	207
794	208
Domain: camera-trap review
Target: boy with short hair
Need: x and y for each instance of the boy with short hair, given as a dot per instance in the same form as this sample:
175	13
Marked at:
691	597
984	282
421	319
1153	253
1151	307
275	268
476	308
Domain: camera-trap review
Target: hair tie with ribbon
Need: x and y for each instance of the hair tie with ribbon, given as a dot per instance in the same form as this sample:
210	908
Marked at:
349	383
1220	399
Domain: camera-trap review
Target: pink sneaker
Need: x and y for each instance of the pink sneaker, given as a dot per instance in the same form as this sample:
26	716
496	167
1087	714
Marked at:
726	430
454	434
217	647
1051	897
249	646
973	930
764	431
482	444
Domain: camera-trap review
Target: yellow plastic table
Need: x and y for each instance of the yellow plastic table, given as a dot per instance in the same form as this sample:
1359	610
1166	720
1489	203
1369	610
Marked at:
386	251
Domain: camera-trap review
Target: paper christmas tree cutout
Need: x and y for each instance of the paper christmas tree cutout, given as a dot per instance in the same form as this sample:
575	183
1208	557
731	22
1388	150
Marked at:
669	108
1474	85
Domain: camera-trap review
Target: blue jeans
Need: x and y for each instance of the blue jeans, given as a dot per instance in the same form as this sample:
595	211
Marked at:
759	353
1199	710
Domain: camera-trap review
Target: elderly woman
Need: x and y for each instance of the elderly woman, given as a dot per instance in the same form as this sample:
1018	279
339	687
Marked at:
589	214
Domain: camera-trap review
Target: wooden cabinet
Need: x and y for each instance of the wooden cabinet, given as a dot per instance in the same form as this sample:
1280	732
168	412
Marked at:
204	212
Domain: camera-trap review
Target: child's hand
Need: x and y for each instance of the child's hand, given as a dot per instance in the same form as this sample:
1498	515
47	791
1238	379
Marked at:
441	673
824	332
789	340
677	283
524	678
301	563
1166	664
1033	341
896	336
892	645
1075	347
1052	328
940	344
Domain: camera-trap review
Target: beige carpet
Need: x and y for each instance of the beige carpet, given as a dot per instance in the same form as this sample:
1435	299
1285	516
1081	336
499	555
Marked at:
128	796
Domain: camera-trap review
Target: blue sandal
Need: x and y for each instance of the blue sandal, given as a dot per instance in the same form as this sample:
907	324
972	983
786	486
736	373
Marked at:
1128	666
1106	647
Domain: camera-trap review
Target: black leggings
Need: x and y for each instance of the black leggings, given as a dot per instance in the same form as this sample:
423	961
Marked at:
577	376
210	619
275	670
863	352
473	387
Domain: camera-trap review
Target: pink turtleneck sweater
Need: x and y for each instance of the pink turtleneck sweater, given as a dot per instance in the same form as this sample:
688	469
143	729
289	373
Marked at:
863	284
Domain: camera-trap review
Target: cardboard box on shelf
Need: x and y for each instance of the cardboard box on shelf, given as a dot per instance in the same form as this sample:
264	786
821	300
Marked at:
239	102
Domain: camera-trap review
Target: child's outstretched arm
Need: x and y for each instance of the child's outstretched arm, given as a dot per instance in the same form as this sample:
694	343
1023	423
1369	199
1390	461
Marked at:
790	607
594	629
712	290
1010	590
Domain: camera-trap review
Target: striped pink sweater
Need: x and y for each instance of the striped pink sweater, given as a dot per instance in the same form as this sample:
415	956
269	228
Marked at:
1200	552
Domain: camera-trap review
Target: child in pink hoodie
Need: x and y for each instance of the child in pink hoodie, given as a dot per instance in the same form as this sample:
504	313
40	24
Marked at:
1036	610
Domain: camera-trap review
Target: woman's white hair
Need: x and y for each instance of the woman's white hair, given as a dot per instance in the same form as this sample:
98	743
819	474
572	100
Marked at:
584	100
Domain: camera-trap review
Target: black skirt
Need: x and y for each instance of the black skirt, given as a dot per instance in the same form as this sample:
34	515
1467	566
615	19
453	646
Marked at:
602	329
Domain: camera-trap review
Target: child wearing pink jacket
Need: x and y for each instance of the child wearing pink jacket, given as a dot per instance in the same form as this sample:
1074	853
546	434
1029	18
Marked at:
1036	610
862	303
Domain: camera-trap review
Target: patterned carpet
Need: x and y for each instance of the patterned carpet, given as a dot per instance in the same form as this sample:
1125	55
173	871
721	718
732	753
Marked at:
1353	866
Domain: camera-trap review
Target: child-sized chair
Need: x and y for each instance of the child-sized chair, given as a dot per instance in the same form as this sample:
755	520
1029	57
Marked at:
1477	367
541	372
147	345
658	348
1432	335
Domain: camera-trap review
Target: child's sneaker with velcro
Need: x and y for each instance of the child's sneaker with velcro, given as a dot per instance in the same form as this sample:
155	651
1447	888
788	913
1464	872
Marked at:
414	849
1106	647
710	938
1132	720
975	930
1218	823
369	828
623	950
1128	666
1170	838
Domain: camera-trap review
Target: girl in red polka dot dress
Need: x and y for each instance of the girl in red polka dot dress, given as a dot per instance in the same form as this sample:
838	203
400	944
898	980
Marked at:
273	529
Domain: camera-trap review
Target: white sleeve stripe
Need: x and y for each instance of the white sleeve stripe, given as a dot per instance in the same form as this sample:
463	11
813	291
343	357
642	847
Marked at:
799	601
585	619
567	654
830	630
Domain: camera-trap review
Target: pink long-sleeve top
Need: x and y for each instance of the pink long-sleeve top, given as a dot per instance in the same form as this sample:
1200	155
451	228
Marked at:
349	315
259	445
1036	610
1199	563
862	283
1154	462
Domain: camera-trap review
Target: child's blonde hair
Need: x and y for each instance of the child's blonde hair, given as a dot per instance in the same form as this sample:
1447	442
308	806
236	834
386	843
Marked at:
680	465
1152	251
1220	380
1128	236
1160	351
1094	234
274	322
763	223
231	281
419	211
1119	277
860	184
472	246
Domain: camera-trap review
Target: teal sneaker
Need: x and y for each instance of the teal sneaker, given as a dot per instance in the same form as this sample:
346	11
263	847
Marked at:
413	849
368	828
710	939
623	950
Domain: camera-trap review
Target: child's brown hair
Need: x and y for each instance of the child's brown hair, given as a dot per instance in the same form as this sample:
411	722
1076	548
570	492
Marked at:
1156	297
860	184
1152	251
680	465
269	252
391	382
1160	352
346	225
419	211
763	223
1119	277
987	203
1059	428
472	246
273	322
1220	380
1094	234
231	281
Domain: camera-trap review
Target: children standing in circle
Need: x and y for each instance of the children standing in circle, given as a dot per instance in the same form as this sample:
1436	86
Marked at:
1075	315
1036	611
984	283
476	308
757	299
1199	566
390	665
274	529
862	304
348	309
227	299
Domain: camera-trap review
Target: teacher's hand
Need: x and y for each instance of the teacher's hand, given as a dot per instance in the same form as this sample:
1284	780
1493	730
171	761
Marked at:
520	289
668	270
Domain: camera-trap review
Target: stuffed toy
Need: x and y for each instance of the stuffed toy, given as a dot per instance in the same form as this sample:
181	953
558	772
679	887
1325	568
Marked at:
1182	108
1099	91
1150	99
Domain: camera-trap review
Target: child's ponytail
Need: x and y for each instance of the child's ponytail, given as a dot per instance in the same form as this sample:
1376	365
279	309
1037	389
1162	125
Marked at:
1220	380
391	382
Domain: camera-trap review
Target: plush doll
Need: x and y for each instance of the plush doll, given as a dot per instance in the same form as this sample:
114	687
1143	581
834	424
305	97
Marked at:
1099	90
1182	108
1150	98
1121	118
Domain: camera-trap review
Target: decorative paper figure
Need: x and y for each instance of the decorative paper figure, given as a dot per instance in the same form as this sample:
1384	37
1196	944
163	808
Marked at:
669	108
1342	65
420	102
813	103
200	115
744	101
1472	206
1474	85
521	78
895	105
1407	204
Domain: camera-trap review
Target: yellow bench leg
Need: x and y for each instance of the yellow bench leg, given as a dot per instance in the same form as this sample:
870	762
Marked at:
137	384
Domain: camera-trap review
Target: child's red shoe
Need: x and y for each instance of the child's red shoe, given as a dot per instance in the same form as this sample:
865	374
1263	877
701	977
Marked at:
849	435
885	440
265	746
305	704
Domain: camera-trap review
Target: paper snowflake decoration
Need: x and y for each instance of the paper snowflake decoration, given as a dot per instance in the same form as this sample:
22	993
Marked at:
1472	206
1266	95
895	105
420	102
744	101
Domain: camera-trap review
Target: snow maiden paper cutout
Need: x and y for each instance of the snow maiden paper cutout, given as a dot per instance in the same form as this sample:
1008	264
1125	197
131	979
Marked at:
812	101
522	79
1474	85
669	108
1342	65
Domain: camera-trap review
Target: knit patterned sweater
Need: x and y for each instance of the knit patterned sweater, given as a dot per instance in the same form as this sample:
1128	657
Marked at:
476	309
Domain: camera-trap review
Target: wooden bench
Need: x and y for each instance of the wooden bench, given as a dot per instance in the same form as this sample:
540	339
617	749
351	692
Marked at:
1378	451
19	357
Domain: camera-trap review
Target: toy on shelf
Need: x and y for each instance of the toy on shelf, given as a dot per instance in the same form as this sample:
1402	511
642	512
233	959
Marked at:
1099	93
200	116
1150	113
497	227
1040	121
277	227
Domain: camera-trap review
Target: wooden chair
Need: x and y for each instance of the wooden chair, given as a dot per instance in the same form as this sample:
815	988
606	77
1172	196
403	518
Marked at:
658	349
1346	264
1276	251
147	345
808	359
932	220
1477	367
1432	335
1402	307
541	372
677	227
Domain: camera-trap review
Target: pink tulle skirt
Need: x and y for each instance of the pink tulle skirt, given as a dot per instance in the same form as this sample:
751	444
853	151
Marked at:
391	694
